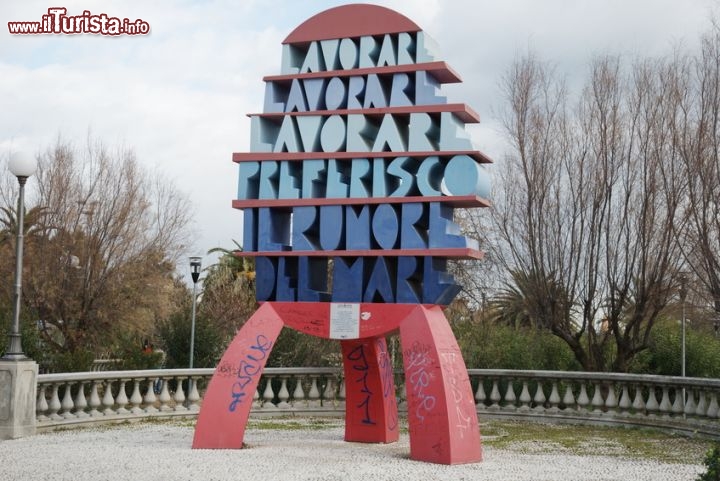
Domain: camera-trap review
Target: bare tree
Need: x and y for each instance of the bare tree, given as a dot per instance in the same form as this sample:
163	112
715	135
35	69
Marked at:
697	135
583	215
101	256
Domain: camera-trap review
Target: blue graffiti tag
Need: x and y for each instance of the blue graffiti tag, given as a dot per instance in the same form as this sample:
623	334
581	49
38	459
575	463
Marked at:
249	368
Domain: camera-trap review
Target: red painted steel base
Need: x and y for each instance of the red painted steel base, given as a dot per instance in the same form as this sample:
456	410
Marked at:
229	396
370	406
441	409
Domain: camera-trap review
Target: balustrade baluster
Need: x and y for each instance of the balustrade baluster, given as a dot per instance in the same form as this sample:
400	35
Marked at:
597	400
194	395
568	397
121	399
55	403
67	402
625	403
480	396
41	405
80	401
539	398
108	400
150	397
611	400
328	399
314	394
701	407
495	396
690	403
554	399
95	399
268	394
256	404
652	405
298	394
509	404
284	394
165	397
639	402
677	407
179	395
341	396
713	408
525	397
583	400
665	406
136	398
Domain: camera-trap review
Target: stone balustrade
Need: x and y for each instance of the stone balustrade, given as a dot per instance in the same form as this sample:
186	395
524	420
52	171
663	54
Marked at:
576	397
71	398
600	398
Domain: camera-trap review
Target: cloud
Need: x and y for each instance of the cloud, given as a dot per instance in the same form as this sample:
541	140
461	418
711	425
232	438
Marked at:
180	95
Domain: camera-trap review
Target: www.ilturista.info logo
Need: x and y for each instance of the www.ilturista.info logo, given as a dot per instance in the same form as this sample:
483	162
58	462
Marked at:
58	22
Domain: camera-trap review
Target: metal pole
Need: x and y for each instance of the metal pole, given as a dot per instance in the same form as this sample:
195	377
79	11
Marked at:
192	328
14	349
683	338
683	295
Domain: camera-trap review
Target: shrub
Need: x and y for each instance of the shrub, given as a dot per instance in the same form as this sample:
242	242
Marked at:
495	346
128	348
664	355
80	360
48	358
174	336
296	349
712	462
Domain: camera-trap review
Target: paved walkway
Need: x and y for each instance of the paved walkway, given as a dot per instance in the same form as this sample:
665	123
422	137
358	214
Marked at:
162	451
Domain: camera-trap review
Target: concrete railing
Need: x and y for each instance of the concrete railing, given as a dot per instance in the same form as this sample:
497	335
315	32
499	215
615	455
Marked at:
600	398
106	396
576	397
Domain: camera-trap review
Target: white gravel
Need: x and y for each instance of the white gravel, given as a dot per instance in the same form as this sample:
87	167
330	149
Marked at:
162	452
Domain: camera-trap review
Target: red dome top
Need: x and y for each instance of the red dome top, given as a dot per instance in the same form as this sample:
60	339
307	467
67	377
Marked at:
355	20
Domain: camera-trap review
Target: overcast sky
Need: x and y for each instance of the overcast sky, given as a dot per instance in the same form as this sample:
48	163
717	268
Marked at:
179	96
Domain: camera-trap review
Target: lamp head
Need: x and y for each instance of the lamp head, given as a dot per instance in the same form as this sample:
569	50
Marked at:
195	267
683	286
22	164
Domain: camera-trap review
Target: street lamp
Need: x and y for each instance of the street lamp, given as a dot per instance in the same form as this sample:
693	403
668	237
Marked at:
22	166
683	295
195	266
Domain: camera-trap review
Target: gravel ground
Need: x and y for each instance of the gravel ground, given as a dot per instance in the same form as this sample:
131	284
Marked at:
162	451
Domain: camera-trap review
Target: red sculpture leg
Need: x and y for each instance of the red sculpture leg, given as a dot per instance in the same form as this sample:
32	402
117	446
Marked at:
227	402
370	406
441	409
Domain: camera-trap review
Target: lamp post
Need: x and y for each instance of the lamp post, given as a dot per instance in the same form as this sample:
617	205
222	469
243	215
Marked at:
21	166
19	373
195	266
683	295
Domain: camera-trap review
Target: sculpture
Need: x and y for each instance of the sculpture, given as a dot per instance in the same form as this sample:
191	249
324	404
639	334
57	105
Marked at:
356	166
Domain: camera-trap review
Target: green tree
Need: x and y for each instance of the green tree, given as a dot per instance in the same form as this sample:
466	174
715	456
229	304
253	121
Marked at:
102	239
174	336
228	290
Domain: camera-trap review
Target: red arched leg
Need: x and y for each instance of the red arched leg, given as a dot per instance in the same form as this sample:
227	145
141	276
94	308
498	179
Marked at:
370	405
227	402
441	408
